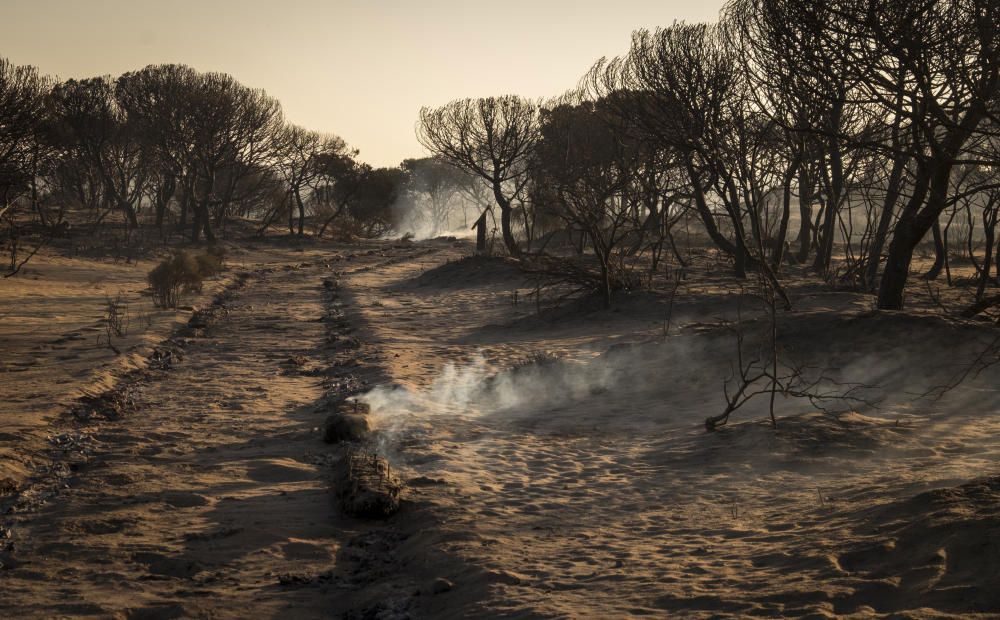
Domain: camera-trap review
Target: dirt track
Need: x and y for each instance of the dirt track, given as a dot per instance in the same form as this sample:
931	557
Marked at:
210	498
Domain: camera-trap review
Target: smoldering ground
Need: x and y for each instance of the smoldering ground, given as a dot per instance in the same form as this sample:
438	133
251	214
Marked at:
412	222
437	200
597	465
672	386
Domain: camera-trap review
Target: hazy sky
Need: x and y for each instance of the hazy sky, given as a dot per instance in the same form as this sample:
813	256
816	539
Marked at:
360	69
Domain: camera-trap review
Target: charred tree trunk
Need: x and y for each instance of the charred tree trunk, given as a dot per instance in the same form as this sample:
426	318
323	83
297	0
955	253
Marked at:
130	214
480	227
302	211
202	216
505	220
989	232
163	195
739	232
330	219
186	200
207	225
939	252
910	229
786	212
805	215
835	186
824	240
996	261
884	220
708	219
195	224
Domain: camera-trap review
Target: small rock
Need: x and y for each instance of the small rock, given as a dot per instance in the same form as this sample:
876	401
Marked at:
441	585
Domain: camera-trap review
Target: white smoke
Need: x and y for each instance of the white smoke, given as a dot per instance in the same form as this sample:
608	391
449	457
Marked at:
476	390
452	391
438	201
417	218
421	229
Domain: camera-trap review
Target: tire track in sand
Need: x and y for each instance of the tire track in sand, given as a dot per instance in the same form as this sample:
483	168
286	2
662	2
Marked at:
205	499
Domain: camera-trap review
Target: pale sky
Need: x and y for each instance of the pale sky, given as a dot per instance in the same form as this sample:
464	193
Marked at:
359	69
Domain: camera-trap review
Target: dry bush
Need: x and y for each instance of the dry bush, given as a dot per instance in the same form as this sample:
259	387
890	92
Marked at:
578	276
183	272
212	261
116	321
347	230
179	273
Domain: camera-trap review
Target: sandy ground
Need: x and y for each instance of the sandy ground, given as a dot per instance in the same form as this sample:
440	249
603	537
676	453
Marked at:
52	326
588	487
209	496
556	461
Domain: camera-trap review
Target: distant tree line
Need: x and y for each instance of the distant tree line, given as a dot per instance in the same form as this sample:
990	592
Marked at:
841	135
172	149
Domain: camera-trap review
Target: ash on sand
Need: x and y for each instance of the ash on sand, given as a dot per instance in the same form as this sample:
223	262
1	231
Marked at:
366	485
471	271
110	405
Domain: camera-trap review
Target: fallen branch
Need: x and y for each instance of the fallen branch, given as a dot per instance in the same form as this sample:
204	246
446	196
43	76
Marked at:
15	269
980	306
